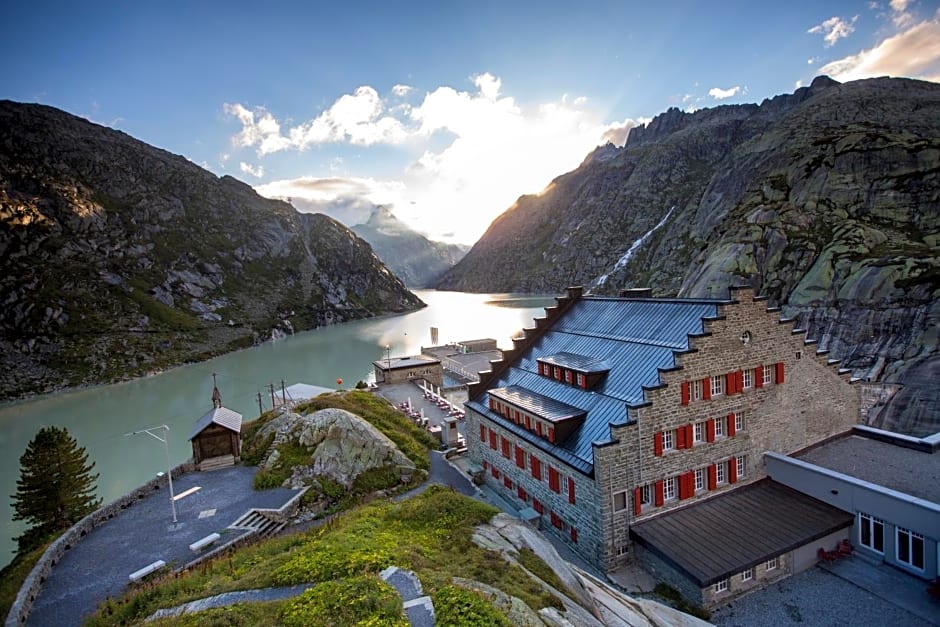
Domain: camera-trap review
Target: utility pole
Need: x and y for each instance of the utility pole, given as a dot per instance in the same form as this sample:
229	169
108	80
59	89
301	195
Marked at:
283	393
260	406
273	401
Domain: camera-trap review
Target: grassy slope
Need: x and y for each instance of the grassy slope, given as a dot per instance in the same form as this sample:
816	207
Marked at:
429	534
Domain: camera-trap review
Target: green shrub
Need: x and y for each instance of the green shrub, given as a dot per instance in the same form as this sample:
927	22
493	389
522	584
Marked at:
459	607
374	479
359	600
267	479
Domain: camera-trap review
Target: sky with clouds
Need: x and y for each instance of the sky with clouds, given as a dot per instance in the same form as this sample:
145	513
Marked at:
446	112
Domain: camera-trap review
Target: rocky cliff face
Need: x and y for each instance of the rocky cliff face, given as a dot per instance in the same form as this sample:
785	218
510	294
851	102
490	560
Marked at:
827	200
119	259
415	259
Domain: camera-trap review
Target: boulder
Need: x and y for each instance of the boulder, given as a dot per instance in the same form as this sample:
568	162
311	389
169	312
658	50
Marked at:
342	445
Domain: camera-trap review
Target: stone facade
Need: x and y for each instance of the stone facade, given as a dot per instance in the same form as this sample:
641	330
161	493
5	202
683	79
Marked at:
804	400
813	402
581	516
408	369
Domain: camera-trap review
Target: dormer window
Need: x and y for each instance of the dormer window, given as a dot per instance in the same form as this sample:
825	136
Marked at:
548	418
573	369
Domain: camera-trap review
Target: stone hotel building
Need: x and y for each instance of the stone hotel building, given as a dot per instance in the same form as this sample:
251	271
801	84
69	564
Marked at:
634	429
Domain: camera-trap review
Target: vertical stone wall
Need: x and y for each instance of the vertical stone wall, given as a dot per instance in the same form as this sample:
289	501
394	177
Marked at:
583	515
813	403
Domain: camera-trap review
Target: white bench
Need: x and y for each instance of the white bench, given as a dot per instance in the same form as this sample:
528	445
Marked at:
196	546
137	575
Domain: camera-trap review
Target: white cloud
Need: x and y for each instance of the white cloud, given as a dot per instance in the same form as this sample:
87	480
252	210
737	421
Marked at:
401	90
899	5
247	168
913	53
477	151
720	94
347	199
834	29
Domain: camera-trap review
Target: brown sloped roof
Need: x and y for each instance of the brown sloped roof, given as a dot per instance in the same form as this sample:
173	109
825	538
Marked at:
714	539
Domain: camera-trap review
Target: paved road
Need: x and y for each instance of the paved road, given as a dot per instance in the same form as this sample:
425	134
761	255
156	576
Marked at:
99	565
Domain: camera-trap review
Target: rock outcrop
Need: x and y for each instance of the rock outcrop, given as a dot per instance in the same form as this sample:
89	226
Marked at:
341	446
587	600
826	200
120	259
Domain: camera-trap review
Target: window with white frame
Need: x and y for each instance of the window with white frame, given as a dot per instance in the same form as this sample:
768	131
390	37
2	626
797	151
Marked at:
698	432
720	425
871	532
721	473
564	483
669	489
580	379
620	501
699	479
910	547
669	440
721	586
697	390
741	463
646	494
717	385
740	422
748	379
768	375
747	575
772	563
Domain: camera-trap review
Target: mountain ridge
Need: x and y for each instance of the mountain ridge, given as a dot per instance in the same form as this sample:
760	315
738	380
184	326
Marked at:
121	258
826	200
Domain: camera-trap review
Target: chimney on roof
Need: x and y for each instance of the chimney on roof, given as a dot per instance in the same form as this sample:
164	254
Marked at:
216	395
575	291
637	292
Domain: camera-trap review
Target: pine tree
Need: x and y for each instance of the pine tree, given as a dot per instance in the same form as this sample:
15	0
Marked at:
56	487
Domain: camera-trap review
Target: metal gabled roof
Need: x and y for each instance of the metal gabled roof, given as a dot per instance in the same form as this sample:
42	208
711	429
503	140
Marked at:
538	404
636	338
222	416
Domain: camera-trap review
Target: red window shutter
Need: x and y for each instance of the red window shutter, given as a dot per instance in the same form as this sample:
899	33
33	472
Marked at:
685	393
574	534
730	381
637	504
537	506
710	430
551	434
570	490
689	435
690	481
505	447
482	433
492	439
712	477
520	493
683	488
740	382
520	457
658	443
486	464
680	437
659	493
507	482
494	471
528	422
706	389
553	482
731	427
732	471
779	374
584	381
536	468
538	427
759	377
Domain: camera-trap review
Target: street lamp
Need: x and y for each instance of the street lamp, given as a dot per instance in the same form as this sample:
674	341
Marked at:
388	356
166	449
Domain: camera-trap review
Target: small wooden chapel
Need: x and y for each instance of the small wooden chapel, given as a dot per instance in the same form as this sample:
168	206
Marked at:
216	436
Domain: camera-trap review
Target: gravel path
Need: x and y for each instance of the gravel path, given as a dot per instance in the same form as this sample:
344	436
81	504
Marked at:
814	597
